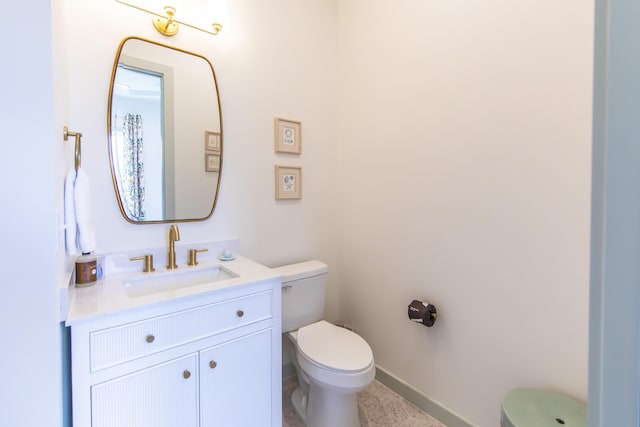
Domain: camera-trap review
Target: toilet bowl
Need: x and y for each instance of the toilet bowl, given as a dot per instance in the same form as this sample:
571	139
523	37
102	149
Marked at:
332	363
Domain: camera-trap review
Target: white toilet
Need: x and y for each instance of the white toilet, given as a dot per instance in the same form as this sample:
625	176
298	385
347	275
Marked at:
333	363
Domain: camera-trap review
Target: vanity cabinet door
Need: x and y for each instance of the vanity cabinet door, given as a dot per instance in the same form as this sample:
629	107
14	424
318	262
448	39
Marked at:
164	395
236	382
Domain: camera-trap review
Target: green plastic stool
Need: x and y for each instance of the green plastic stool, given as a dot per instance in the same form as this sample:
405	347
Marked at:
529	407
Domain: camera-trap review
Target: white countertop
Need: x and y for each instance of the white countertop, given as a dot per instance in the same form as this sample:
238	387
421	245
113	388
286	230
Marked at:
110	295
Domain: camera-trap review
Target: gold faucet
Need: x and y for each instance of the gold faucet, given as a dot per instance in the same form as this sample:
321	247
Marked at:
174	235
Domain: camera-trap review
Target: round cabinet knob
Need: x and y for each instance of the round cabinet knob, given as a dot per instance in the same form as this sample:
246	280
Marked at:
186	374
213	364
240	313
150	339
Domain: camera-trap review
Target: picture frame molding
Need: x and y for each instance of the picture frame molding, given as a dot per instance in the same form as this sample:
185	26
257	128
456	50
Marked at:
281	141
208	159
281	192
211	141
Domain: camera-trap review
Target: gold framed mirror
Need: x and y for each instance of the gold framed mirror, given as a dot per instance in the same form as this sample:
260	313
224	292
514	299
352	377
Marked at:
164	125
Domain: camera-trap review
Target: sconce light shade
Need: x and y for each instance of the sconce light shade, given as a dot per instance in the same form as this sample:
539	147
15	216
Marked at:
209	16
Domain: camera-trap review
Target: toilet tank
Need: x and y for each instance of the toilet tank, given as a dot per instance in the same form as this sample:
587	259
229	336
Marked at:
303	291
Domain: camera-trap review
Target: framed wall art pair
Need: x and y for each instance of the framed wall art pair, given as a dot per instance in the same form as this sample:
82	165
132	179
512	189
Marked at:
211	151
288	139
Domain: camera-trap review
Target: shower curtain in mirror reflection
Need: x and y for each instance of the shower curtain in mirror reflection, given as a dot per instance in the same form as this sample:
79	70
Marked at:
129	163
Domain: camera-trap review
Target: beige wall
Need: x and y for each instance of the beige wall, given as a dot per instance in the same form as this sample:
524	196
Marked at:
464	165
269	62
446	155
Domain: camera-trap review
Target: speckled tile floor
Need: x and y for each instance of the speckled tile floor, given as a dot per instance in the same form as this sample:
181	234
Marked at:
378	406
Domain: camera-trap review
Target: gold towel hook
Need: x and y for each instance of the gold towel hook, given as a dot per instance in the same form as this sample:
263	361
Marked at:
66	134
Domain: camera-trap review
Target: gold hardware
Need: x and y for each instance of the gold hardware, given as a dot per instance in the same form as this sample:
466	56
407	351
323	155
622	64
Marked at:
174	234
166	25
66	134
213	364
169	25
240	313
186	374
150	338
148	262
193	256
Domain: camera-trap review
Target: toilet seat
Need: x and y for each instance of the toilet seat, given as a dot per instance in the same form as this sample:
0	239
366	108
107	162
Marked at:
344	359
334	348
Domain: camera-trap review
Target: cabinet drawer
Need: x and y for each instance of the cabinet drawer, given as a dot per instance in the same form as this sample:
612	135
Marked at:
120	344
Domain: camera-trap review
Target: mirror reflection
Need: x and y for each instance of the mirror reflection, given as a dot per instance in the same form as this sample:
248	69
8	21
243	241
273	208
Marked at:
165	133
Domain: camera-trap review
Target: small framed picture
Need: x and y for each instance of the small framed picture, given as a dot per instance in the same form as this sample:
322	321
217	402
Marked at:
211	141
288	182
288	136
212	162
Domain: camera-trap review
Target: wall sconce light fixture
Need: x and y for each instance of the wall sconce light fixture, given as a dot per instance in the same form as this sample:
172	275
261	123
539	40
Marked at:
166	25
192	13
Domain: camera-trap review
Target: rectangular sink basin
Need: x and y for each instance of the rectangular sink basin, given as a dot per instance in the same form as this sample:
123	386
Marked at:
176	279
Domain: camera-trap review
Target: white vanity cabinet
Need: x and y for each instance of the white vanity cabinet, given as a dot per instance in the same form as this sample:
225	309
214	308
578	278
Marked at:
210	359
236	368
162	395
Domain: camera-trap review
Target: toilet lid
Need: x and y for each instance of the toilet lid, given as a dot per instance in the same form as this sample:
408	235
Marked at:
334	347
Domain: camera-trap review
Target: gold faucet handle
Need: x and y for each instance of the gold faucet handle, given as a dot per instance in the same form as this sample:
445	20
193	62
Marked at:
148	262
193	256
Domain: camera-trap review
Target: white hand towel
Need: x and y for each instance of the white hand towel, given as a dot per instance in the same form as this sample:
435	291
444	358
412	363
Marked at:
70	213
84	218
